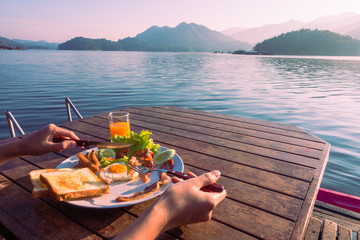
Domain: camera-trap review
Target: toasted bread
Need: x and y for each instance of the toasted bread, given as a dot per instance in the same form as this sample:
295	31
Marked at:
72	185
39	188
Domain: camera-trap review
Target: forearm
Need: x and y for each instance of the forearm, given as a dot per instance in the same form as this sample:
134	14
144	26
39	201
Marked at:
148	226
10	151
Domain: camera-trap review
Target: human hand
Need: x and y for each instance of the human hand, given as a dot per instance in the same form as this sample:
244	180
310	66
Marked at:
41	142
184	202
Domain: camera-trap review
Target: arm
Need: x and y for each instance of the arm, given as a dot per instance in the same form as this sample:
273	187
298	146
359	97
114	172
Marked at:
37	143
182	203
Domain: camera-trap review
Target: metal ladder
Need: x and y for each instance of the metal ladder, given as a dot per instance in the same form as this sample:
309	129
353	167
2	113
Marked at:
12	121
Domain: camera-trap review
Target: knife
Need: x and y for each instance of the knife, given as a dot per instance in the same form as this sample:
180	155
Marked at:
83	143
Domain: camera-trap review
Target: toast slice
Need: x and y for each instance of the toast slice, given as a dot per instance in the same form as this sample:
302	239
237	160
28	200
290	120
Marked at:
72	185
39	188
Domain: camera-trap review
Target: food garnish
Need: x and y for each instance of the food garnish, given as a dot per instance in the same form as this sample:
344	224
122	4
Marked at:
162	157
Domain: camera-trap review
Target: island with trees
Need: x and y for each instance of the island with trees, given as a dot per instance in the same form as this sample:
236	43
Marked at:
310	42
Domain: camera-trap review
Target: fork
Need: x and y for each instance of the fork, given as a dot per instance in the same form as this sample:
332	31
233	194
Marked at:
215	187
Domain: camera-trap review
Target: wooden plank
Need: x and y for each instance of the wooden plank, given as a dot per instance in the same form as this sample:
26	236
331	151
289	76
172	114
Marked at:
212	230
12	229
314	229
270	201
266	126
215	141
253	221
43	221
341	216
329	232
266	152
344	233
195	113
228	130
178	128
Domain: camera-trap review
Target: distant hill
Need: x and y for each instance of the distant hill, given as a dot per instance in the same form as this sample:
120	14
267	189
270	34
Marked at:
255	35
37	44
81	43
9	43
190	38
311	42
183	38
27	44
345	24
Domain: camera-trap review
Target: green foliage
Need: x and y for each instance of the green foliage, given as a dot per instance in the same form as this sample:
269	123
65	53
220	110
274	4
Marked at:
81	43
140	141
311	42
134	44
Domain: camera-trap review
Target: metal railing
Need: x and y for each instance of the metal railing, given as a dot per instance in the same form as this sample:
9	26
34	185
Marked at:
69	105
11	122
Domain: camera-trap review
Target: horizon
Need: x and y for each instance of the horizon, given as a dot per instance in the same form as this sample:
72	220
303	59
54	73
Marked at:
58	22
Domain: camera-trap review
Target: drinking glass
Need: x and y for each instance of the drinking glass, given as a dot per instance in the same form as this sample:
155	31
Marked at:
119	123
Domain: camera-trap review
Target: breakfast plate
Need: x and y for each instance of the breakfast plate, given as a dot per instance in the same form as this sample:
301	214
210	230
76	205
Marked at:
124	188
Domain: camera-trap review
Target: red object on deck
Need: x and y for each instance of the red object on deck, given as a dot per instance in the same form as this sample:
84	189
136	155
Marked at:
338	199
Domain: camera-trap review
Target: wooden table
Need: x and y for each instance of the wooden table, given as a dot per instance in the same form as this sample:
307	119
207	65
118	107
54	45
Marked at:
271	173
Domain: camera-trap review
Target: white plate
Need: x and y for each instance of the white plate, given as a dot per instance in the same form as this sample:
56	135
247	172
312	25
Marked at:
120	188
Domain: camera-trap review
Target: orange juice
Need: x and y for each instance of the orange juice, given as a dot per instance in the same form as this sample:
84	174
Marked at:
119	128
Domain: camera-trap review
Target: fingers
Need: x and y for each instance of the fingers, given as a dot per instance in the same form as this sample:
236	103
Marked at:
176	179
60	132
65	133
207	178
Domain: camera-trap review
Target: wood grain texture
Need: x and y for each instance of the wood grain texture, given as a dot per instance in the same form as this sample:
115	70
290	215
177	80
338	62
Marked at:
271	173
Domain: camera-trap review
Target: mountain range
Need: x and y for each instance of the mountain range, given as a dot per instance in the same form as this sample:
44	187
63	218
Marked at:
182	38
193	37
27	44
344	24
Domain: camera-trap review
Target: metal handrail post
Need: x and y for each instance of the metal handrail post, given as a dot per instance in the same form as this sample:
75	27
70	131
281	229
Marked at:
11	121
69	104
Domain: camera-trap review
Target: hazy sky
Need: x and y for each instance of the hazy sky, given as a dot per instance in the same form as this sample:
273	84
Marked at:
58	21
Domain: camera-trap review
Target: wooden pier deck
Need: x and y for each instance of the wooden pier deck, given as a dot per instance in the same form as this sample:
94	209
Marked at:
329	222
271	172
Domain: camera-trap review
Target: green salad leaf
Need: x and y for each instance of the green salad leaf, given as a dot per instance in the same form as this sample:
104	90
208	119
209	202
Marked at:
140	141
108	157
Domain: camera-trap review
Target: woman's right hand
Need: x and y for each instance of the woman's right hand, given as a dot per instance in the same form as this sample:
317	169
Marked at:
184	202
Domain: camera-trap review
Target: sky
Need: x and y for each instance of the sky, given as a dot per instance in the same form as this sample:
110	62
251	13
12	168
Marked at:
59	21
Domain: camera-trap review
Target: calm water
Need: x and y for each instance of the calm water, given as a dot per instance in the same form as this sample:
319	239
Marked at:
318	94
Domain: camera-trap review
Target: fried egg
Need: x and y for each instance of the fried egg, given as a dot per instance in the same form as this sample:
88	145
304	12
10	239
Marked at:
117	172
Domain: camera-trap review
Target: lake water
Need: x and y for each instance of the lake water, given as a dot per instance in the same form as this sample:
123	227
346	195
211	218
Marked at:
318	94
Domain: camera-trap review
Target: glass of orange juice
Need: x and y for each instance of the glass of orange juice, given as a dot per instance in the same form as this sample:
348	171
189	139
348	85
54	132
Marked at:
119	123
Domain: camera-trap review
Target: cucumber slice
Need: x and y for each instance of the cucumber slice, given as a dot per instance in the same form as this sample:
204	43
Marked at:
106	153
164	156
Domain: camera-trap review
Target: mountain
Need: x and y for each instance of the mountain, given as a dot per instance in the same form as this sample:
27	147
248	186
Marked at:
190	38
81	43
311	42
26	44
9	43
37	44
183	38
345	24
258	34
